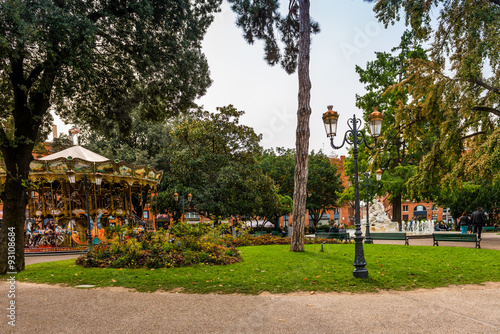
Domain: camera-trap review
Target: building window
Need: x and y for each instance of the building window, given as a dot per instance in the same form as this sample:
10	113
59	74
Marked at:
434	216
405	217
405	208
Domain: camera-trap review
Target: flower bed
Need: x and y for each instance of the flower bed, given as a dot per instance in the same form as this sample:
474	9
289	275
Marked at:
159	250
183	245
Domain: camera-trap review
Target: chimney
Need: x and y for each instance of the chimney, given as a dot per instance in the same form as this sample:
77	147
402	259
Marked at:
54	132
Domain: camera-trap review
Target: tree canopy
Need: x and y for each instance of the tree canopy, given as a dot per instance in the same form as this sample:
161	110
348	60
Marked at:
397	154
323	183
455	90
213	157
92	62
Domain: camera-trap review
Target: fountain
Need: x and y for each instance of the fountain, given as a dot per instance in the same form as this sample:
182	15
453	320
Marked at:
380	222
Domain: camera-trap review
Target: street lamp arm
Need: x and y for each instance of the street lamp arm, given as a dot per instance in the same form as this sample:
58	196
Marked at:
346	140
366	143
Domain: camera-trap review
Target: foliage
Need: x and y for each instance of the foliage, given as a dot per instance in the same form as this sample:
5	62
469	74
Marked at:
277	270
62	142
263	20
471	196
159	250
212	157
323	183
92	62
143	145
279	164
393	154
323	186
455	90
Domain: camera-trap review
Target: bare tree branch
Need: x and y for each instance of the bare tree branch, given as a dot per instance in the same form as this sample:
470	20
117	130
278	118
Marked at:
487	109
483	84
473	135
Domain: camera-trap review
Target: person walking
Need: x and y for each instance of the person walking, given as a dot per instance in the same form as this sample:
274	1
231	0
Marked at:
464	222
478	219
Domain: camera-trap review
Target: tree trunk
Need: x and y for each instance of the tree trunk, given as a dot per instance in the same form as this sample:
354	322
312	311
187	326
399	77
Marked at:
14	197
302	134
396	210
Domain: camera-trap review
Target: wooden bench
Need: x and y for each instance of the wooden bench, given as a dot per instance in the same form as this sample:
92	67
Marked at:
390	236
260	233
333	235
455	237
489	228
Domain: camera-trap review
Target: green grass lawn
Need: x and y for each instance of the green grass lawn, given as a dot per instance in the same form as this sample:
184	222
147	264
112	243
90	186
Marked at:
277	270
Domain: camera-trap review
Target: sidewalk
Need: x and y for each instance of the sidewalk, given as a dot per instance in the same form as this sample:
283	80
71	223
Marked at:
457	309
490	240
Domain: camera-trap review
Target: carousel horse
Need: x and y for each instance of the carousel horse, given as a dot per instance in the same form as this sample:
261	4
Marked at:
28	234
33	236
74	234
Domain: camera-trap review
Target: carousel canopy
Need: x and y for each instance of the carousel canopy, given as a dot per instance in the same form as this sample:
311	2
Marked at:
81	161
76	152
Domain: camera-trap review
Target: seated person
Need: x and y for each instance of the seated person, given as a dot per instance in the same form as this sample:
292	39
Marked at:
436	227
342	229
333	229
443	227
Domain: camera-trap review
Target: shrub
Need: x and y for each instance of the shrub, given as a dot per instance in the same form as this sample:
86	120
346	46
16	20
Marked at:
183	245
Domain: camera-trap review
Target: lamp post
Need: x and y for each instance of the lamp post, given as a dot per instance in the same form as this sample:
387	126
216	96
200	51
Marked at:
330	119
368	182
176	198
86	185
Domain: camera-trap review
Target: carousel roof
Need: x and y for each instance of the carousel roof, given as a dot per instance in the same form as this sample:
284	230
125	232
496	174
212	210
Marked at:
81	161
76	152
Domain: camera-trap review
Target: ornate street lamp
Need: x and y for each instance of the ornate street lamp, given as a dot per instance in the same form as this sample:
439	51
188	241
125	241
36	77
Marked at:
87	184
368	182
330	119
176	198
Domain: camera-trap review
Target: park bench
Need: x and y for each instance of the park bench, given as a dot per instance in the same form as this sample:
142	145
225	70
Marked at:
455	237
333	235
390	236
276	233
489	228
260	233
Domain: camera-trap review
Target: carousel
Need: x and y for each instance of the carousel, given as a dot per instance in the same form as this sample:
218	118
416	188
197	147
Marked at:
75	194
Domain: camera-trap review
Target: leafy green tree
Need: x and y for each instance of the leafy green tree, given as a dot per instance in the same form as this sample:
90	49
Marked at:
262	19
393	154
279	164
214	158
93	62
455	90
471	196
323	184
60	143
143	145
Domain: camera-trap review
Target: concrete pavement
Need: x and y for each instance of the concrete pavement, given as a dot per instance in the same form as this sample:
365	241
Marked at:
51	309
456	309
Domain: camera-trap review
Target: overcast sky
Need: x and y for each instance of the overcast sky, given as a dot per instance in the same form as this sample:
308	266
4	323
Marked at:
349	36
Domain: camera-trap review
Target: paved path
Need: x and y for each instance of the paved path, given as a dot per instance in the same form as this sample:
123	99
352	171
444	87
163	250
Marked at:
457	309
488	241
51	309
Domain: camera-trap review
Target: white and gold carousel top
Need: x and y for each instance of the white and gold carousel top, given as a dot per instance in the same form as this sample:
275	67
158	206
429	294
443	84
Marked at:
84	162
